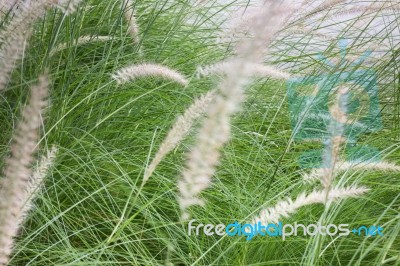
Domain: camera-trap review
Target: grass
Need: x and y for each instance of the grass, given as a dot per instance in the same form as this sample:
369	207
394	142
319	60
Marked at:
93	211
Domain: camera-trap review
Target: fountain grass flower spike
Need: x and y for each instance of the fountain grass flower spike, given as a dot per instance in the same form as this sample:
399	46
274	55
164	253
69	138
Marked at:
36	181
18	168
179	130
133	72
259	70
285	208
81	41
343	166
216	129
130	17
15	34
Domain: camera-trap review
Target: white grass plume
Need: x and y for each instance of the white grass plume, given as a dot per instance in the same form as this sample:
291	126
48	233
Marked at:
374	7
82	41
179	130
68	6
327	5
301	30
133	72
330	159
11	52
36	181
364	10
285	208
216	129
204	157
28	12
332	145
324	6
342	166
18	168
258	70
15	34
242	20
130	17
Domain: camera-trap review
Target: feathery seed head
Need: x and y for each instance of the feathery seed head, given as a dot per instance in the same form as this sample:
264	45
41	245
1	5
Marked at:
133	72
18	168
36	181
285	208
258	70
17	31
341	166
81	41
216	129
180	129
130	17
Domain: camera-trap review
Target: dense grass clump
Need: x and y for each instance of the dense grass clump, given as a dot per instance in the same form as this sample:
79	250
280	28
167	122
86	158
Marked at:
95	209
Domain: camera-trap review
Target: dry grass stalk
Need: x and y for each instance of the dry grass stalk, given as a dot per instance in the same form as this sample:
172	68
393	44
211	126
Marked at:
342	166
